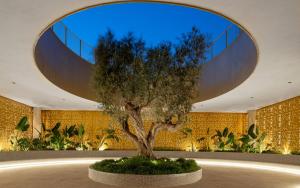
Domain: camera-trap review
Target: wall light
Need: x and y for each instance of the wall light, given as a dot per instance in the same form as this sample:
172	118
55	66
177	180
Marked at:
286	150
103	147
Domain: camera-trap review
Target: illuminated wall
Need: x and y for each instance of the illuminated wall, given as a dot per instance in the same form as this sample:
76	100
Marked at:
95	121
281	122
10	114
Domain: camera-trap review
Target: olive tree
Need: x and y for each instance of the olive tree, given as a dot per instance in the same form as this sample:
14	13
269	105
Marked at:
132	79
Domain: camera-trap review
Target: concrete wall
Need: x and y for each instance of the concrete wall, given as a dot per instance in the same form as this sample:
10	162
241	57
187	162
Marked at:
71	73
63	67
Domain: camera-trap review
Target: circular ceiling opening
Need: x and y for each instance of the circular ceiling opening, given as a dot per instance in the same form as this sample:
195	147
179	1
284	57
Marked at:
153	22
64	53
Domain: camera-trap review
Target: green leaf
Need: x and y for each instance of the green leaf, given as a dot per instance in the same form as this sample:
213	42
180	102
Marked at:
43	127
23	124
56	127
251	131
225	131
219	134
81	130
222	145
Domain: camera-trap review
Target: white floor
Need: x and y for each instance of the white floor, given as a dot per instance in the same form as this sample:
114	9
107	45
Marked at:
75	176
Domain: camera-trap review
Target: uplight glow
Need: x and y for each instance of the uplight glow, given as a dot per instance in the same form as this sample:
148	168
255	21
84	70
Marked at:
278	168
273	167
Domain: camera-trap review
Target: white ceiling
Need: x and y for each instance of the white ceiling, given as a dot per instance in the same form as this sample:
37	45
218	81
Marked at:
274	24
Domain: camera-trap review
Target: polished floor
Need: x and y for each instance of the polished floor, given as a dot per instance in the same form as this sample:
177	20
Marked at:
75	176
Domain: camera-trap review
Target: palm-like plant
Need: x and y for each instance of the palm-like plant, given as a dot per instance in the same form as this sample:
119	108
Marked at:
83	144
68	133
54	138
188	134
107	134
253	140
18	140
224	140
206	140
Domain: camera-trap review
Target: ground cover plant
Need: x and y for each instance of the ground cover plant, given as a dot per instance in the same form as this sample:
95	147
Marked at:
146	166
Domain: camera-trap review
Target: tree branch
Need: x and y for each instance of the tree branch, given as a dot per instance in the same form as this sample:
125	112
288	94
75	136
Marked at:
167	125
125	128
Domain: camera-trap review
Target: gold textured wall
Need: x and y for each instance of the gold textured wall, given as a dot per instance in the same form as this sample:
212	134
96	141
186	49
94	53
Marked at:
281	122
95	121
10	114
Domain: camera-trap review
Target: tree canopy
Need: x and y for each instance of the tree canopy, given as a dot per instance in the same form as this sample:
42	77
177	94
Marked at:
131	78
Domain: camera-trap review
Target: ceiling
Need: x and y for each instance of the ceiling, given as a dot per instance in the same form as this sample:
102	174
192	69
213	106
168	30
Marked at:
274	24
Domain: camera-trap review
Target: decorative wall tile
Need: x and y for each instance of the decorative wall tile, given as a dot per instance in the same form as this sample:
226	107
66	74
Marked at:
281	122
95	121
10	114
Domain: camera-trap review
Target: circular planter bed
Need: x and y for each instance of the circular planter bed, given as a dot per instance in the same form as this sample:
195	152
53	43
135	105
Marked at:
141	171
133	180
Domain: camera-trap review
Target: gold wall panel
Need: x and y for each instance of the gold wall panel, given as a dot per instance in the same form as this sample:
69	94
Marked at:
10	114
95	121
281	122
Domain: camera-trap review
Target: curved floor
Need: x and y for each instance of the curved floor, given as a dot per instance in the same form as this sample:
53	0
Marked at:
75	176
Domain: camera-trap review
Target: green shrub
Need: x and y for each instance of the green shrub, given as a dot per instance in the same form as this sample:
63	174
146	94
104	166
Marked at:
146	166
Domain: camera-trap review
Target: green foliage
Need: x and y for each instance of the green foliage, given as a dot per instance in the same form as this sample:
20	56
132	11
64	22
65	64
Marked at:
18	140
253	141
55	138
23	144
224	140
107	134
206	140
162	77
23	124
37	144
61	140
144	165
83	144
130	76
188	134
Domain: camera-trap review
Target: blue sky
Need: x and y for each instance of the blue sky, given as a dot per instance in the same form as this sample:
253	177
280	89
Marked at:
154	22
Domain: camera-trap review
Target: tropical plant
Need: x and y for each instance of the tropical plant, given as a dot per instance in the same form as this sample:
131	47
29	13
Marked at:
83	144
54	138
68	133
107	134
205	140
253	141
131	79
19	140
224	140
39	143
188	134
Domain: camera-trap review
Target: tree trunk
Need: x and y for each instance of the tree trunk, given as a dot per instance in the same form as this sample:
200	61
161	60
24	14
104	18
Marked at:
144	147
146	151
145	142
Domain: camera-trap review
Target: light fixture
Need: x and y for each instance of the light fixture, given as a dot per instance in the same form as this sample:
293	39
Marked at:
290	82
279	168
103	147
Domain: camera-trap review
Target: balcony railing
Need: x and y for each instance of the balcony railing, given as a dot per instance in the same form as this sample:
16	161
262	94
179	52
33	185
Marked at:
86	51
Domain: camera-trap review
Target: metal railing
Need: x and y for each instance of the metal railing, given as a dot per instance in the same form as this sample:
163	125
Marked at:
73	42
222	41
86	51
